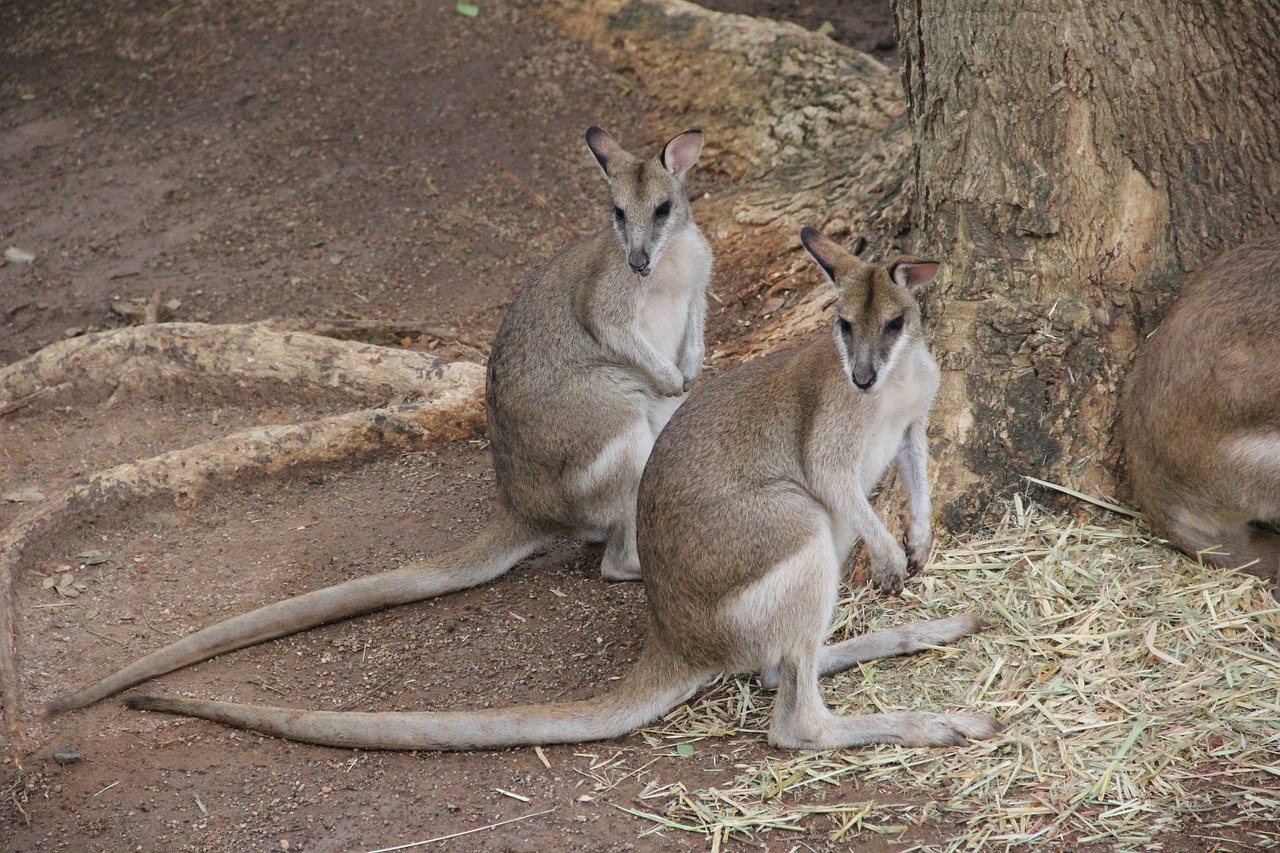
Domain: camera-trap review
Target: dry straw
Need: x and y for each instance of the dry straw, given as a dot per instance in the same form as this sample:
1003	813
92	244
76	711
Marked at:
1141	692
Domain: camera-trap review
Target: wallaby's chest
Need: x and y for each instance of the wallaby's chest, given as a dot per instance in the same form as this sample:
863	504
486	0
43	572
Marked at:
871	430
679	278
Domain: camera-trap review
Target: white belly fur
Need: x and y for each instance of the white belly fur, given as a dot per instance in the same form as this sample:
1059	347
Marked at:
679	277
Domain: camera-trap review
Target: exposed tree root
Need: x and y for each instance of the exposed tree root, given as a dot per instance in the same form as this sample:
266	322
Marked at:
141	356
363	329
453	409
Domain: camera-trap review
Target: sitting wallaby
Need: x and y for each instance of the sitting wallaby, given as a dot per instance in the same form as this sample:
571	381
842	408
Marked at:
594	355
752	499
1200	416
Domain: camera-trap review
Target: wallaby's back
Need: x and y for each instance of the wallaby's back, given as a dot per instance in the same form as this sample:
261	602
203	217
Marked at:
1200	417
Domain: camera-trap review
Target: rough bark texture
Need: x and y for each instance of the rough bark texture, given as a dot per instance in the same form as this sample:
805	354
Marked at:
1073	162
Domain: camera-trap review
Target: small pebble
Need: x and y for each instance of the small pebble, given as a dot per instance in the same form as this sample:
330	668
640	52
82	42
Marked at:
67	755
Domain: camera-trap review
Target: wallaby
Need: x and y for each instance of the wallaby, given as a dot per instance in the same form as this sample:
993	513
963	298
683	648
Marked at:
752	499
1200	417
593	356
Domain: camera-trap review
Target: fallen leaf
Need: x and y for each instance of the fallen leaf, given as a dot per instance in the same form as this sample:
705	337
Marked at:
28	495
469	9
93	557
14	255
826	28
685	749
771	305
173	304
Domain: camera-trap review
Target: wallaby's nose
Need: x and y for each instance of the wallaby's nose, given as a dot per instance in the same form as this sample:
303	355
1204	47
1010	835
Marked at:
864	376
639	261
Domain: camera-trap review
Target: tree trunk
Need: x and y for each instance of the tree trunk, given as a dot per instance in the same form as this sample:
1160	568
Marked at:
1073	162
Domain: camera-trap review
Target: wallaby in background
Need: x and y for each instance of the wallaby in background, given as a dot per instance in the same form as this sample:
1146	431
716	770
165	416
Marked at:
1200	416
752	500
594	355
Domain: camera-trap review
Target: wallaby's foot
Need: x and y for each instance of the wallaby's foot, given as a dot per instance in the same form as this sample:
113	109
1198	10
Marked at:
620	573
620	561
904	729
948	729
891	642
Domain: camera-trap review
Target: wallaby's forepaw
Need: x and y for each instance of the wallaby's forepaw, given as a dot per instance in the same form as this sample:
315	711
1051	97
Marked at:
919	548
670	384
890	573
690	370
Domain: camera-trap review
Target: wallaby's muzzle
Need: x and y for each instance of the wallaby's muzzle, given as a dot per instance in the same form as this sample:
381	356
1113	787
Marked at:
639	261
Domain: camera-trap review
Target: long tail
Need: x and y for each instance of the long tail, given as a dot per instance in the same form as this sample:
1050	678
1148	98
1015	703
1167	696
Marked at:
499	547
658	682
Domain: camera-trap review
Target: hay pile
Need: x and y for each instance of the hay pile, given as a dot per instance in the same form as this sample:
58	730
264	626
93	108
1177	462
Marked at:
1141	692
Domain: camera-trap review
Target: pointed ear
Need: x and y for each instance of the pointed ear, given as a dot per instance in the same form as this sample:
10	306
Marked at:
913	273
682	152
823	249
602	145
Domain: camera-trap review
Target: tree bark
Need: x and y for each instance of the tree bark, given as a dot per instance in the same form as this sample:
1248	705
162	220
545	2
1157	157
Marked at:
1073	161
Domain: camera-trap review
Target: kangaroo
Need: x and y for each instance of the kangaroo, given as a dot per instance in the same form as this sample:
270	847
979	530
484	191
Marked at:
753	497
592	358
1200	414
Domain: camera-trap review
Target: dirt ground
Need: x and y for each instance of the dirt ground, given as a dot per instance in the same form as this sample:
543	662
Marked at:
394	160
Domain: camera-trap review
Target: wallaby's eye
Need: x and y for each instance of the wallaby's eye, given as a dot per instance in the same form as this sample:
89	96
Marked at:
895	325
846	328
662	210
619	215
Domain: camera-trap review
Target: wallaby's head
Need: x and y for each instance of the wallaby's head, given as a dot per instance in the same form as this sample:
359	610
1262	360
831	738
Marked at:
649	204
877	315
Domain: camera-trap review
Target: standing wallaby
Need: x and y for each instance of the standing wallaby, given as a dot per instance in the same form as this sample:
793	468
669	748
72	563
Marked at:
752	500
1200	416
593	357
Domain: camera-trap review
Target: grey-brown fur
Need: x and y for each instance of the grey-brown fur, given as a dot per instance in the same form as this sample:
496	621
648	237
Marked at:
591	360
1200	415
752	500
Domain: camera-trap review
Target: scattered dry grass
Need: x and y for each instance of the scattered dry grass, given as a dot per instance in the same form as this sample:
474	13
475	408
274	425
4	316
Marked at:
1141	691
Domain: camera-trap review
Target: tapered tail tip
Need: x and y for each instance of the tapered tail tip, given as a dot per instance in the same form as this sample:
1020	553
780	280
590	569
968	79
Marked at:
143	702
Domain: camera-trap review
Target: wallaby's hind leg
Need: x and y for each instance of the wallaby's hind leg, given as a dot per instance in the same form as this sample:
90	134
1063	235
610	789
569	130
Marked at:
902	640
801	719
605	492
1225	540
621	562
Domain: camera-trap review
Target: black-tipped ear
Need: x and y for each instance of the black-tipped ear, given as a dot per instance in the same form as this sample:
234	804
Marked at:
681	152
913	273
602	145
823	249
